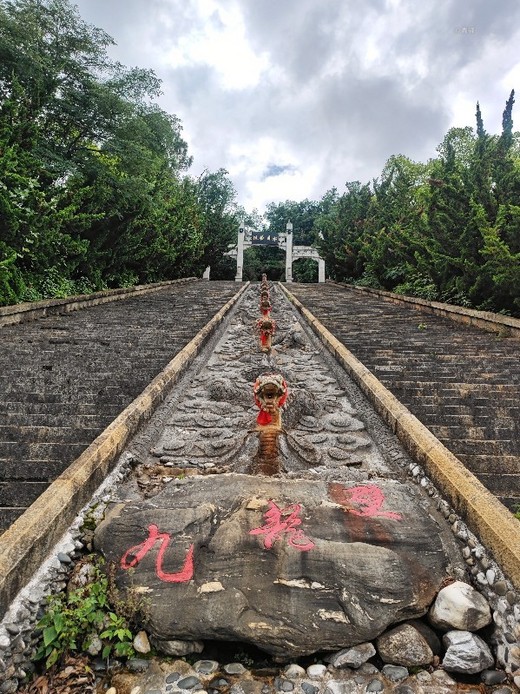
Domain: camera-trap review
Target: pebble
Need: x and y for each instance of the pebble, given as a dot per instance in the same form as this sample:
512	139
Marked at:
294	670
283	685
491	677
64	558
111	690
206	667
395	672
141	642
172	677
375	686
316	671
188	682
309	688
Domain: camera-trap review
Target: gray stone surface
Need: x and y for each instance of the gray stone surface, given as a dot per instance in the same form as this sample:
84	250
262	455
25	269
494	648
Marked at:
395	673
352	657
466	653
229	554
404	645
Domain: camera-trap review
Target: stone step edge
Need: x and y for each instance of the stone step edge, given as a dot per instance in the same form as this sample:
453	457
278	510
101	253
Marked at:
25	545
486	516
32	310
505	326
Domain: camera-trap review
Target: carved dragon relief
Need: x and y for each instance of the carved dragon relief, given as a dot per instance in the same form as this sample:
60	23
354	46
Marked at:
320	426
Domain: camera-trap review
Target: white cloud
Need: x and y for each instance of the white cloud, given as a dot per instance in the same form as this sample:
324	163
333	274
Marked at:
217	38
321	92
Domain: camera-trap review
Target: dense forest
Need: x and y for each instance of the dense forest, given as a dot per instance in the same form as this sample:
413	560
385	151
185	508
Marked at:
93	185
95	189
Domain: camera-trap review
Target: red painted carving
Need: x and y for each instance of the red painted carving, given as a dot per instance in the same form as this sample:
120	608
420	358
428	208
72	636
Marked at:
283	520
369	499
135	554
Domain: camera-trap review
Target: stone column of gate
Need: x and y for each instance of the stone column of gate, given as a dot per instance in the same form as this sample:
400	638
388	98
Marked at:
321	270
240	254
288	252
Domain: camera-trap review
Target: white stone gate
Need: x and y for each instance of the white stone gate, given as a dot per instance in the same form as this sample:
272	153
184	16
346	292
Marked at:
285	241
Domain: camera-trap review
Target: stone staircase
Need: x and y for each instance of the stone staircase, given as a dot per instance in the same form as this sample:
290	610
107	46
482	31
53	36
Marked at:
461	382
64	378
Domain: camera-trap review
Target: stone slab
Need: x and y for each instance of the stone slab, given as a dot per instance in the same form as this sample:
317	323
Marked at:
275	562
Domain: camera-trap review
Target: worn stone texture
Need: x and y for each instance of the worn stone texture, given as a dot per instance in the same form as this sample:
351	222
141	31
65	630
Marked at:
466	653
404	645
460	606
288	565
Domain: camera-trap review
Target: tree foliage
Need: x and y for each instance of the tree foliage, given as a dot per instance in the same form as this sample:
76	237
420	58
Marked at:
446	230
93	184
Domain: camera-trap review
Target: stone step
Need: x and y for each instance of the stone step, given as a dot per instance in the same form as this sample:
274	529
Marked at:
47	434
31	470
14	493
23	450
482	447
76	372
8	515
61	419
502	485
461	382
496	465
474	433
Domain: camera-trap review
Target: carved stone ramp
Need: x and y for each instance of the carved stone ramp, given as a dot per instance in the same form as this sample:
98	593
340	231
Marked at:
324	552
463	383
64	378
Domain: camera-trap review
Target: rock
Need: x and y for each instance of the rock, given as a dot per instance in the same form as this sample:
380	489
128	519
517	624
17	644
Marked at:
345	560
95	645
428	634
466	653
459	606
491	677
190	682
206	667
294	671
283	685
375	686
368	669
141	643
395	673
309	688
316	672
178	648
404	645
352	657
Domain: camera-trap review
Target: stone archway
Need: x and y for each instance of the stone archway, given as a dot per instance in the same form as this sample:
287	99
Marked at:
285	242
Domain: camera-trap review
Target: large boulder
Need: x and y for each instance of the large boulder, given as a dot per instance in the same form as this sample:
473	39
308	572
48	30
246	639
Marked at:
291	566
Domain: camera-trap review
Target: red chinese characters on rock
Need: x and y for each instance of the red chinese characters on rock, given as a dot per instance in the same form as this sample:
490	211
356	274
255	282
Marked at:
368	500
283	522
134	555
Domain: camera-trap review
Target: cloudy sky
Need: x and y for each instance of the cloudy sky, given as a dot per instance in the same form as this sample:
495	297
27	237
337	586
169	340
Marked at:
294	97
